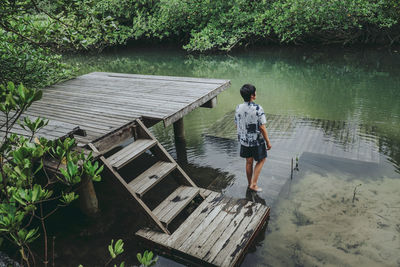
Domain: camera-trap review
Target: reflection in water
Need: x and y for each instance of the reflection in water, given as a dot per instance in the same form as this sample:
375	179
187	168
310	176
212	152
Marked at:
330	102
344	139
253	196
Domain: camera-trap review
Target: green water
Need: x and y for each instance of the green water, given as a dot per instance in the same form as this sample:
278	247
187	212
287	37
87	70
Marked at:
359	87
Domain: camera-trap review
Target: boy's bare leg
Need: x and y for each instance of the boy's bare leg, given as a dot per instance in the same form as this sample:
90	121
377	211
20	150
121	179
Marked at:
249	170
257	170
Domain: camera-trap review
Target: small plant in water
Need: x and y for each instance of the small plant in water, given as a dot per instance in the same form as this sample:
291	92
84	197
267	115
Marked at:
114	250
297	163
355	192
146	259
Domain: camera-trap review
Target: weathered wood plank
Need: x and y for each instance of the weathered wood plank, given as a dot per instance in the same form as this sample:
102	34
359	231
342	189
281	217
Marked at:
175	203
155	77
130	152
205	219
202	246
151	177
194	219
224	239
196	241
228	254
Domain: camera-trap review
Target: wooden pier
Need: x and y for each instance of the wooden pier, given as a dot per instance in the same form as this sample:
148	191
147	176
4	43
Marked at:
109	113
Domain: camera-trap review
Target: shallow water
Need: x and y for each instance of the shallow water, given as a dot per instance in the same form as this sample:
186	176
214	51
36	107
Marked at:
308	226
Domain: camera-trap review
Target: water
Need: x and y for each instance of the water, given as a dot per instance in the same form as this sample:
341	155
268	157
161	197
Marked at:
347	103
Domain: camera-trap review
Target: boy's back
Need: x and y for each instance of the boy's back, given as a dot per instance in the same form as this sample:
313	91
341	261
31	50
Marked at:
249	116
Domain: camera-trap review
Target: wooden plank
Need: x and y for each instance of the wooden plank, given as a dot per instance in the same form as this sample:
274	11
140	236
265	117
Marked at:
205	219
233	250
206	192
100	121
237	227
130	152
149	178
90	109
155	77
194	219
196	241
206	241
113	139
151	110
175	203
140	85
82	122
156	91
116	99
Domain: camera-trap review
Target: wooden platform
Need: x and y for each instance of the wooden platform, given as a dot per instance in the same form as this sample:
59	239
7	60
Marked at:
100	102
217	233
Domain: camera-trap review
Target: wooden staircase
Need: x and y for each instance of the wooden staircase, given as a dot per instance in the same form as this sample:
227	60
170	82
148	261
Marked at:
169	208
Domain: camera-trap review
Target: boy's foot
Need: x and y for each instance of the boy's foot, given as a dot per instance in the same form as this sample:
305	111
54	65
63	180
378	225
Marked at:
256	188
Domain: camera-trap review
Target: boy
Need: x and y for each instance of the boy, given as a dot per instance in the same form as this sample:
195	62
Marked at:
252	134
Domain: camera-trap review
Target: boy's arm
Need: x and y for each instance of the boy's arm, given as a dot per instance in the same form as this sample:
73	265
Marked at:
264	132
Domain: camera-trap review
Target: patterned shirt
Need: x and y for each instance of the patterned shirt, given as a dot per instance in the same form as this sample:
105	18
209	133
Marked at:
248	118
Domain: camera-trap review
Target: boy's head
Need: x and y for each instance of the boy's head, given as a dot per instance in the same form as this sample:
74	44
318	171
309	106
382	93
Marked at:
247	91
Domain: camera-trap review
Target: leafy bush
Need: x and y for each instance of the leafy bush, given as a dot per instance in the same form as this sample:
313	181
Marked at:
222	25
28	190
333	21
31	65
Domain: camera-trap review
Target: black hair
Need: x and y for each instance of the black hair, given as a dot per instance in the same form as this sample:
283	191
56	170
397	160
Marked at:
246	91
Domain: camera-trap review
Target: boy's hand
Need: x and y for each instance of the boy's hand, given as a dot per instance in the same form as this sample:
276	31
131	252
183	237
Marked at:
269	146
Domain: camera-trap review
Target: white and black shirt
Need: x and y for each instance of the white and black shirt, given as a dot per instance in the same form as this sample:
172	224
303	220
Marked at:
248	118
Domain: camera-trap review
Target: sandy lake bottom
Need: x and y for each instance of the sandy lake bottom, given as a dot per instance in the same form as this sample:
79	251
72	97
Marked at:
316	222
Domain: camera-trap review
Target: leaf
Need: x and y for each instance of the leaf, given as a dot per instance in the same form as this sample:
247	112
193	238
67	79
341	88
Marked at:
111	249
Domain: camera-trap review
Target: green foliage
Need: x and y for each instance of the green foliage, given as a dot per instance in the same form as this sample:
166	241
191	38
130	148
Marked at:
24	62
222	25
146	259
62	25
116	249
33	32
333	21
27	187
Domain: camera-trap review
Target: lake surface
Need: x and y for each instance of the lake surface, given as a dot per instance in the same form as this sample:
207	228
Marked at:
336	110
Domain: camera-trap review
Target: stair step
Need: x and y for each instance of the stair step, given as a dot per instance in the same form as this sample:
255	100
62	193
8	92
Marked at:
149	178
175	203
130	152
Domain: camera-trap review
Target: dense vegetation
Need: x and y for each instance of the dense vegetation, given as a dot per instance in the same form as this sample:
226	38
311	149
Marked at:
32	30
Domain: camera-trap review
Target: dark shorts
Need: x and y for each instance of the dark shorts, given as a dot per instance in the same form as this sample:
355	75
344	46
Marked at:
257	152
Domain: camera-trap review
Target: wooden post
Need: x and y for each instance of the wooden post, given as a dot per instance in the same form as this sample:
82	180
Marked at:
210	104
180	142
291	170
88	198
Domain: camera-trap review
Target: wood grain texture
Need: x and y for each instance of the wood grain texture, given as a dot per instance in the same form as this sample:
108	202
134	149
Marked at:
101	102
217	233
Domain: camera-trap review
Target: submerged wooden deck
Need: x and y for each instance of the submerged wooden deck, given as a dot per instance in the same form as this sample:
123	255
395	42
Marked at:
217	233
100	102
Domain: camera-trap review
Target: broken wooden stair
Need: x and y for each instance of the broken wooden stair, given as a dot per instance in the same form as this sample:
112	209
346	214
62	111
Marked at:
171	207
